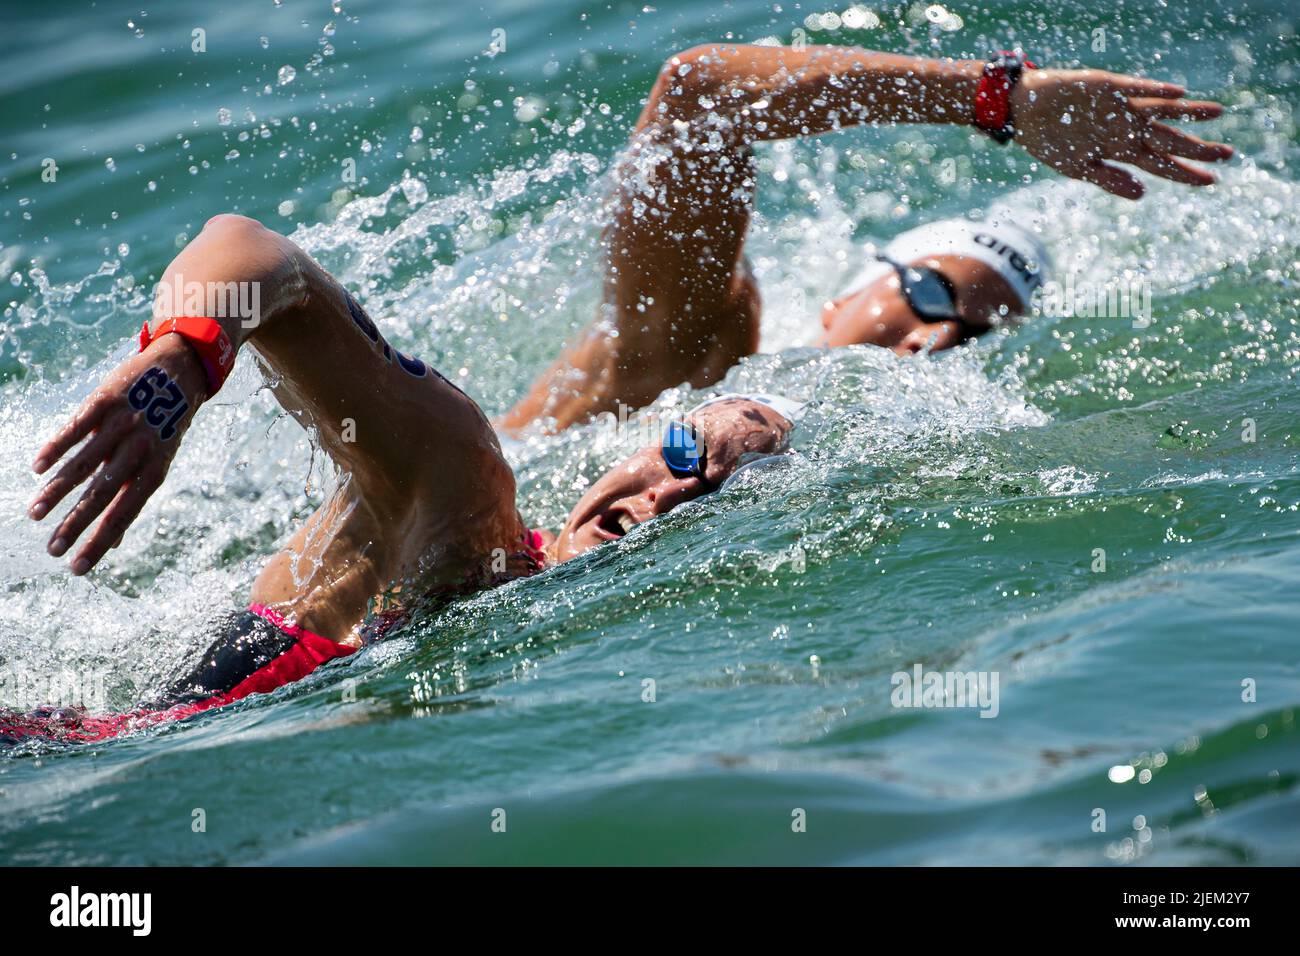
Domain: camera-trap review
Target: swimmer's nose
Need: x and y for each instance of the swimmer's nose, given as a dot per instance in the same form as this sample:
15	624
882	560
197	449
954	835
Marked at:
936	337
911	345
668	494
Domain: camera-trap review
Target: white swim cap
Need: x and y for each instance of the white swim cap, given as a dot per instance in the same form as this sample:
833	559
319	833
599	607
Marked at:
1016	254
787	408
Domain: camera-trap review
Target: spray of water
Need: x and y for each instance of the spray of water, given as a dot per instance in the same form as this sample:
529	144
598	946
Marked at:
495	315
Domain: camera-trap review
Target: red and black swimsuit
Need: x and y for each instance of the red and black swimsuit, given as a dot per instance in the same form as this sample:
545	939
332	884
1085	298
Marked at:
256	652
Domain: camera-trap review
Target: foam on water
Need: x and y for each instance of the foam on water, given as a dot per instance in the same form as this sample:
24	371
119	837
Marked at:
246	472
939	510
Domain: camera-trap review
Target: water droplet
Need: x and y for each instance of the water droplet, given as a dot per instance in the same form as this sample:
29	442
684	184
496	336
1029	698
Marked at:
859	18
530	109
110	165
285	75
414	191
223	116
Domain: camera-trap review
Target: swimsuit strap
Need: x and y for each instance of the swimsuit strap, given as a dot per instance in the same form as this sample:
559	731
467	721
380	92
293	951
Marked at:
535	549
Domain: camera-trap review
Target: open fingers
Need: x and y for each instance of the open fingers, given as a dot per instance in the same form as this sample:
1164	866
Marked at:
121	468
1175	109
1172	168
81	425
78	468
1136	86
125	508
1175	142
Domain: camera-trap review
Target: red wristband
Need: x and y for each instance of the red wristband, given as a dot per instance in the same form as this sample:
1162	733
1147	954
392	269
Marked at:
208	339
993	96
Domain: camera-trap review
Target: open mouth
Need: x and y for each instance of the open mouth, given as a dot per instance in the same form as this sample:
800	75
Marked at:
612	525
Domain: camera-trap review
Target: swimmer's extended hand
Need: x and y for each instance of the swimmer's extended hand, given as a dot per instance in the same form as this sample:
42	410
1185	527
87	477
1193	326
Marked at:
1077	120
135	420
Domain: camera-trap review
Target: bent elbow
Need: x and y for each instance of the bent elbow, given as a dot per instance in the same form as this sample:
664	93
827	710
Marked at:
234	226
683	80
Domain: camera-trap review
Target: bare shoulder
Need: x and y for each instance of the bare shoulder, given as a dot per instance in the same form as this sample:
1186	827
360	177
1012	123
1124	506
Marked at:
405	433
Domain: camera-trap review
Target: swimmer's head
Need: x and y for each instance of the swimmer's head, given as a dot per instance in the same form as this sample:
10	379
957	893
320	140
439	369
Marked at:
990	270
733	430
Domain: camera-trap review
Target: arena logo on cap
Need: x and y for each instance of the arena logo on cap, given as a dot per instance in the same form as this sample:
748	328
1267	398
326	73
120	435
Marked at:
1014	258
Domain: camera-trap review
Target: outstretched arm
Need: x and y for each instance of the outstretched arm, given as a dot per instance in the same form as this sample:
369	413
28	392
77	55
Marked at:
134	448
679	303
388	420
761	93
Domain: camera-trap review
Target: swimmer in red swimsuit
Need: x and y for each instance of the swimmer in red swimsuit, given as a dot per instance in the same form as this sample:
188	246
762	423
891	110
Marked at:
429	506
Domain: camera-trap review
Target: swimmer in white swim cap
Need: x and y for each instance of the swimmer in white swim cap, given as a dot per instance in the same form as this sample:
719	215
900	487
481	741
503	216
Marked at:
938	285
681	303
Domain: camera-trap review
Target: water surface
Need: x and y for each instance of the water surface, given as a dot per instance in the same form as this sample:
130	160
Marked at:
945	511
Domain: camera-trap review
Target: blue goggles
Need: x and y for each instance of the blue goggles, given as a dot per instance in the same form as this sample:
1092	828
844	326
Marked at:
683	451
929	293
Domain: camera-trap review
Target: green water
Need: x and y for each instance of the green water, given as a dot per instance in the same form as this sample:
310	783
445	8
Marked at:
946	511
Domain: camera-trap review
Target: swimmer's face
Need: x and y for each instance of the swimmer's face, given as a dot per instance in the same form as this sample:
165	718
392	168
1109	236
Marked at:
641	487
878	314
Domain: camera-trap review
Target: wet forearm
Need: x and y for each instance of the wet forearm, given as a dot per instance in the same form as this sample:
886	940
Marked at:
763	93
237	272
